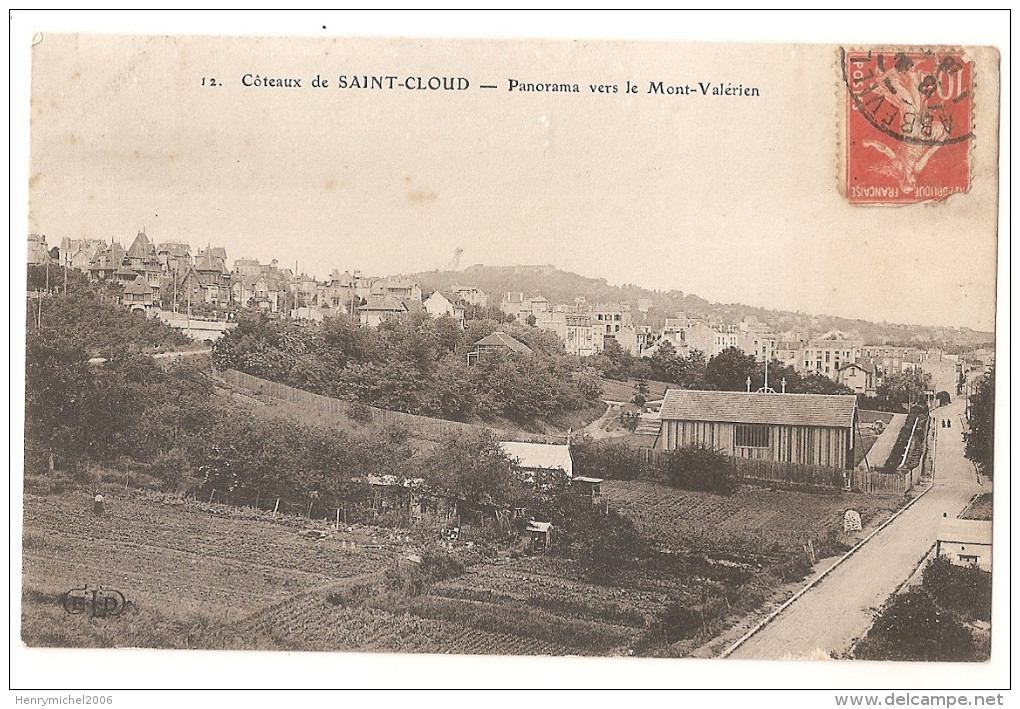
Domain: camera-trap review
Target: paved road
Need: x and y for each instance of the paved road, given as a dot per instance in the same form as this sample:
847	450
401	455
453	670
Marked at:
841	607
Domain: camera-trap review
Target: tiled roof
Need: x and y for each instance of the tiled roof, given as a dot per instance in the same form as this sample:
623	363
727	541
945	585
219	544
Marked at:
138	287
501	339
174	248
141	247
740	407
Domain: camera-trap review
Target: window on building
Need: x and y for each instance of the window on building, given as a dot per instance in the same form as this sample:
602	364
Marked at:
751	435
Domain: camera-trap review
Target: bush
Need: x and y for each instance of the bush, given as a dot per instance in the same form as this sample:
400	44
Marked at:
54	483
965	590
606	459
701	469
360	412
604	545
912	628
411	578
794	569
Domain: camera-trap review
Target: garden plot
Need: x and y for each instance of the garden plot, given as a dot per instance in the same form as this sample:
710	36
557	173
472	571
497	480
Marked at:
754	520
173	563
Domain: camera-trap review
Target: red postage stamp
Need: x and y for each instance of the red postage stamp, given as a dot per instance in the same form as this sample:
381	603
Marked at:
908	125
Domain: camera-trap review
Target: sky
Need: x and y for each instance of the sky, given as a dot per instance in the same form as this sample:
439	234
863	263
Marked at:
732	199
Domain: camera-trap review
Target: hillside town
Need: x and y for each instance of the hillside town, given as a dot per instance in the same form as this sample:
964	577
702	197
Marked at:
195	290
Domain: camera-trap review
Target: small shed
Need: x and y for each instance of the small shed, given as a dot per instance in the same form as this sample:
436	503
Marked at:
540	534
966	542
589	487
537	460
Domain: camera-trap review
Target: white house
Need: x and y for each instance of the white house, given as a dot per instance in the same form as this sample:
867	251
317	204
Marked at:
438	305
538	459
966	542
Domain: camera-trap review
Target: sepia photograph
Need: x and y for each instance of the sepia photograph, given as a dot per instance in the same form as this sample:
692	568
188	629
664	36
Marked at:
349	348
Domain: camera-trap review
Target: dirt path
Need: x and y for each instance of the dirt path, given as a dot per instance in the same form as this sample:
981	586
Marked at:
597	428
830	616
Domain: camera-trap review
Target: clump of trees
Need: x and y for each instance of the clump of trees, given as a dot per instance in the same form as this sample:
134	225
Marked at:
900	392
727	371
77	413
980	439
89	314
415	364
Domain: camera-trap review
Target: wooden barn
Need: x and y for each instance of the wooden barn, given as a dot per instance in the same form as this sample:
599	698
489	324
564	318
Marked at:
811	429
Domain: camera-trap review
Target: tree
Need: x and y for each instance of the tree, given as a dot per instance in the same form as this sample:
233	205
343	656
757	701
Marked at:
902	391
472	468
603	543
730	369
641	397
57	379
614	361
589	384
980	438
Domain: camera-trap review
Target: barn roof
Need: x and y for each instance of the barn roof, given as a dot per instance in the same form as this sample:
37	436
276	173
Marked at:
740	407
501	339
539	456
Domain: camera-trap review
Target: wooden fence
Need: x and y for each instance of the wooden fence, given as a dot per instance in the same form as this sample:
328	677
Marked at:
897	482
799	475
769	472
423	427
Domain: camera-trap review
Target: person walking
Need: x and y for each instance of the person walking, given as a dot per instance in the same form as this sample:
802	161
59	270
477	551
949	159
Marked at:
97	504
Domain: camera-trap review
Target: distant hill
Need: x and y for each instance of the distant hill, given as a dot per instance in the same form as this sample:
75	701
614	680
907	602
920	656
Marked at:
563	287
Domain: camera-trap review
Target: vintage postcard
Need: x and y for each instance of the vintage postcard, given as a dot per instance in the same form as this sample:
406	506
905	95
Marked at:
387	349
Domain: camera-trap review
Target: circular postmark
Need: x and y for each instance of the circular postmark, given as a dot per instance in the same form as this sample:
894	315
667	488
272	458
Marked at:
921	97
